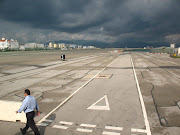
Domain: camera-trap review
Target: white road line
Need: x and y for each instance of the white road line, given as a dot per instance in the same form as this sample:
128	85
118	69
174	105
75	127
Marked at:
88	125
73	93
65	123
42	124
95	107
141	101
84	130
138	130
137	134
114	128
60	127
99	108
48	120
110	133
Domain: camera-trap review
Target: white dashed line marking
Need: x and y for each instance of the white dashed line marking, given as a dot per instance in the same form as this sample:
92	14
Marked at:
137	134
138	130
42	124
84	130
114	128
65	123
88	128
110	133
48	120
60	127
88	125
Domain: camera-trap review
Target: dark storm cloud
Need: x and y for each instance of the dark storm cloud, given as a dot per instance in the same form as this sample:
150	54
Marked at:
146	15
62	15
135	19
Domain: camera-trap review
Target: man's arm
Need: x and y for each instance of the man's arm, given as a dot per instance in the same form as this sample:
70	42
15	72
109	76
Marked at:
37	108
23	106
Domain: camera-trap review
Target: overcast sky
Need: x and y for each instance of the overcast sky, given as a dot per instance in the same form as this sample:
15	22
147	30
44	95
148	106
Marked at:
103	20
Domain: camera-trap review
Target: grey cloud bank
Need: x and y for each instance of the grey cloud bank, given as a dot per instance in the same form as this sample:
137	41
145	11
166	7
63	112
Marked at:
148	21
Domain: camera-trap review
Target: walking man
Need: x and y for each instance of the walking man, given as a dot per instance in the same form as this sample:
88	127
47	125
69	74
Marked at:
28	106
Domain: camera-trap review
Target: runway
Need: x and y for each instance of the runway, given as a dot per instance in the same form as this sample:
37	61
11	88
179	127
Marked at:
106	106
101	92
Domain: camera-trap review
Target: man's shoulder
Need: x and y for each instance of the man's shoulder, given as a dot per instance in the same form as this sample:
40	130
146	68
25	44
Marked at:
31	97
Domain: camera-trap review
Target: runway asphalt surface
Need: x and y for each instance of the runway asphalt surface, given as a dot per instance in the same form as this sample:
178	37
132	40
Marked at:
97	93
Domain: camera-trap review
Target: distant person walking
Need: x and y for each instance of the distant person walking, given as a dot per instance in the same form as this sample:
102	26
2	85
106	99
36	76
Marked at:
28	106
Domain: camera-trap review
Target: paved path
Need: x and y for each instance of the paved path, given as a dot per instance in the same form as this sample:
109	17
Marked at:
104	106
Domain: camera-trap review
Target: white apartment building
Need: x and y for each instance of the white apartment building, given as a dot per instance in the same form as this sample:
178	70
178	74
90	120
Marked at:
8	44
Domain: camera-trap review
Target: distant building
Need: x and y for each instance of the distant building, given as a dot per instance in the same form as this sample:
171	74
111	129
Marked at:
91	47
67	46
84	47
22	47
147	47
40	46
56	46
79	46
4	44
173	45
8	44
62	45
72	46
34	46
51	45
30	45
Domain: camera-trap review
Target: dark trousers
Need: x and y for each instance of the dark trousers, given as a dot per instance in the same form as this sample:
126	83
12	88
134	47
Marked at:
30	123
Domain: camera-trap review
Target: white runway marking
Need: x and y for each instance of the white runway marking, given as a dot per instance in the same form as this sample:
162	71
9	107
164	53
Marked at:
95	107
65	123
74	93
84	130
138	130
88	125
141	101
114	128
48	120
110	133
89	128
42	124
60	127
